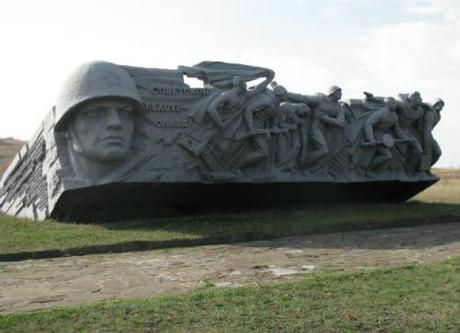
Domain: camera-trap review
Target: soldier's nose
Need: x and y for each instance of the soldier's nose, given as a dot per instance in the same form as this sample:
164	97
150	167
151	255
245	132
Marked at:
113	119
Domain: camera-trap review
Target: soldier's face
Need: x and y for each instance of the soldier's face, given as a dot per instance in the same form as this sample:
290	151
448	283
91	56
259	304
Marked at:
391	104
102	130
439	106
337	95
416	99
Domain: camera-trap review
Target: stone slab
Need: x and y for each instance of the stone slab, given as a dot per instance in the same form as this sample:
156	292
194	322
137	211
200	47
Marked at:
122	201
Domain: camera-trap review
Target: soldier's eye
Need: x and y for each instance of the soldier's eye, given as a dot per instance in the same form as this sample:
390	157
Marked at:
94	113
125	113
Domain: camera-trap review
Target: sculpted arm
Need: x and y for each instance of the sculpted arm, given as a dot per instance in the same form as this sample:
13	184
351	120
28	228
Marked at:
373	120
311	101
403	109
262	85
220	102
268	78
428	124
338	121
249	119
399	133
341	118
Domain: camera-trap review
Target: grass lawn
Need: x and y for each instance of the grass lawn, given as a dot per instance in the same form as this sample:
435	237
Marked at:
19	235
418	298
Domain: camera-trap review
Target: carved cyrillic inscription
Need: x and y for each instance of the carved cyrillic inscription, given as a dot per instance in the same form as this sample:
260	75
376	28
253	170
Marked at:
164	107
171	123
181	91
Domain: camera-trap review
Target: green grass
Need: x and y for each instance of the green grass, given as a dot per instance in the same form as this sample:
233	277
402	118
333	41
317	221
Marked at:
20	235
417	298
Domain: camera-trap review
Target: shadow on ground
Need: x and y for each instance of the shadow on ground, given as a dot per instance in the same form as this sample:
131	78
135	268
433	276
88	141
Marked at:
221	227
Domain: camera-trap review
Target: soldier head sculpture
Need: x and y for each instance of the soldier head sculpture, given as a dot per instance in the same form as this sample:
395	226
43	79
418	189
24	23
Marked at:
415	99
335	93
97	110
391	103
279	91
438	104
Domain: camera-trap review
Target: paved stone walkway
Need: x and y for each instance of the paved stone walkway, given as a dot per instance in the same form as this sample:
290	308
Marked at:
45	283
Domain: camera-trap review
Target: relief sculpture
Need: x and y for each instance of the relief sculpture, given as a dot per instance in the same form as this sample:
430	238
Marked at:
144	128
99	114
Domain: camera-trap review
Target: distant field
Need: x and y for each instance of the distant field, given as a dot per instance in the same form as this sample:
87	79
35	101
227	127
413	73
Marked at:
447	173
447	190
8	149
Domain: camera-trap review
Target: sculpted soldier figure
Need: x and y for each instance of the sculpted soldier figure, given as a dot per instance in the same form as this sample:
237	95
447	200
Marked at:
410	112
431	117
379	129
97	112
227	105
292	135
259	115
410	109
233	112
326	112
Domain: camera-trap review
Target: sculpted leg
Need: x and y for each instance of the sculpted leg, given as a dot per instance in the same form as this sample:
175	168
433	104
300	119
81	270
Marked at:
319	143
435	151
383	156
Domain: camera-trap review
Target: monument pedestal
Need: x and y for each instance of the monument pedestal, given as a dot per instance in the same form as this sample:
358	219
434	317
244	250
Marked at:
121	201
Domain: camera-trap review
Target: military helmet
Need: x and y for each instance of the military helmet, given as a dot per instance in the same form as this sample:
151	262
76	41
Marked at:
93	80
279	91
333	89
438	101
415	96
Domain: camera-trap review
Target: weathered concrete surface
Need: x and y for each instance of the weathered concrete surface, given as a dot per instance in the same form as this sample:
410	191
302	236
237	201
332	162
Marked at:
40	284
137	131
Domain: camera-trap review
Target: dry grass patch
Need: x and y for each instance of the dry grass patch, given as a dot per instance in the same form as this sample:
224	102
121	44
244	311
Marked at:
9	147
447	190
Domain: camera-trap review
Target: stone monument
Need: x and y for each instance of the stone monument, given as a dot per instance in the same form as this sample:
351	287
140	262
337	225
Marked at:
125	140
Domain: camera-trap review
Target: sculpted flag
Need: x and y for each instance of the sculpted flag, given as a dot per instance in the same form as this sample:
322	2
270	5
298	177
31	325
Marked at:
220	74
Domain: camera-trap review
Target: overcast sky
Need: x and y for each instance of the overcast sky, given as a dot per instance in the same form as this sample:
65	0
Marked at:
383	46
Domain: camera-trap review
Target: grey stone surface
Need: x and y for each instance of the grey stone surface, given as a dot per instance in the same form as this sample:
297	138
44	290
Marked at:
137	128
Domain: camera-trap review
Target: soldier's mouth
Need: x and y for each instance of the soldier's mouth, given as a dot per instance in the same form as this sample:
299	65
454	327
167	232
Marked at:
113	140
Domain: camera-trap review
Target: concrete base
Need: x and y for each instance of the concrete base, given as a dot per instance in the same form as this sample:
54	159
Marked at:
128	200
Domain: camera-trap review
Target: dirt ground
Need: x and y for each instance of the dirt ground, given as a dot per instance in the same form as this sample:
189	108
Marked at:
39	284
